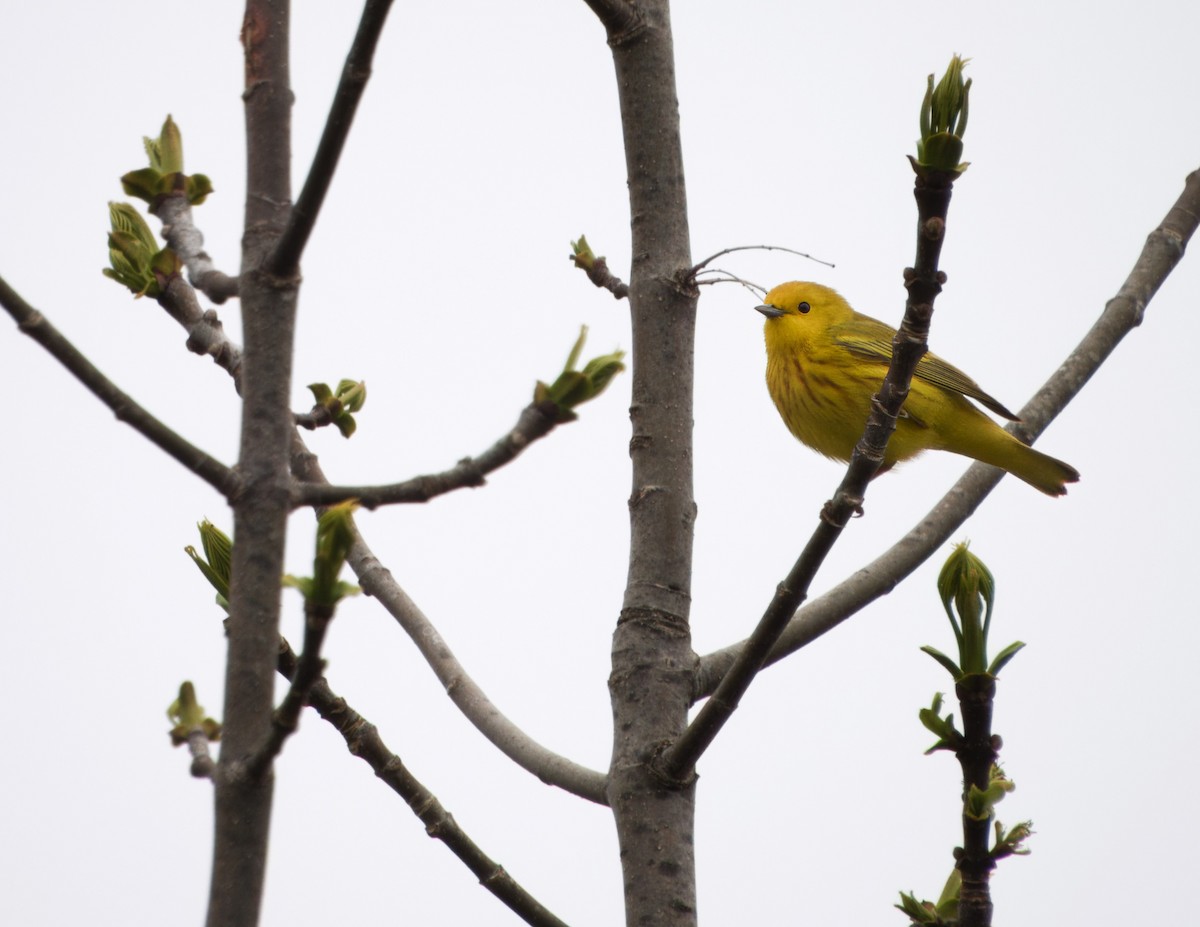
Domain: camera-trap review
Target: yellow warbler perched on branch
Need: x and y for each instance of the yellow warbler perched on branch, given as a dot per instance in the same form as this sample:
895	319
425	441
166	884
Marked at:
825	361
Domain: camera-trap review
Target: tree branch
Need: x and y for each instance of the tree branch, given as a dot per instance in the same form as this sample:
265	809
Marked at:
548	766
182	237
127	410
923	281
1163	250
363	741
536	421
355	74
377	581
206	335
304	675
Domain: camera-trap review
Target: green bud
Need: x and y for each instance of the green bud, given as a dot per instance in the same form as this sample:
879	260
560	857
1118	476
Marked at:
216	564
135	261
947	903
931	719
187	715
350	397
1011	842
944	120
196	188
166	151
352	394
335	536
127	221
143	183
981	803
574	387
165	174
919	912
581	253
965	581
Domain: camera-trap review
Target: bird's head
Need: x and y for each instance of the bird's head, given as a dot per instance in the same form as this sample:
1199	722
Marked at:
800	314
798	299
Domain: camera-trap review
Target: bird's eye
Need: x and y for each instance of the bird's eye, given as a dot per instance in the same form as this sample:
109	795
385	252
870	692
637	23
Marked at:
804	307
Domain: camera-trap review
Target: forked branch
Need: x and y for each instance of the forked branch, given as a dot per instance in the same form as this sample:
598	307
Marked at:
1164	248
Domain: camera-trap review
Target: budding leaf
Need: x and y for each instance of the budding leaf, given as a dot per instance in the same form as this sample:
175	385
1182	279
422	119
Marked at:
574	387
943	120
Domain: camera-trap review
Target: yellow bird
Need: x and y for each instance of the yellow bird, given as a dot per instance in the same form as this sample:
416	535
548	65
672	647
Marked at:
825	361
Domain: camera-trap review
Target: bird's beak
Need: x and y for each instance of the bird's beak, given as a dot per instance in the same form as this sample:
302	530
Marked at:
770	311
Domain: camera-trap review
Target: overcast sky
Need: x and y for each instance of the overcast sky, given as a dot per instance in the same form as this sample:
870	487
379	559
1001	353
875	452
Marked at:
487	140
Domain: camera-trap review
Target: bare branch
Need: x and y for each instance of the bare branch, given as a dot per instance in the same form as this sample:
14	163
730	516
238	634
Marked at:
536	421
126	409
363	741
518	746
206	335
1163	250
355	74
187	242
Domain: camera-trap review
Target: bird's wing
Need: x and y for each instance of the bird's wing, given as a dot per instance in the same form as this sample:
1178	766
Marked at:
877	346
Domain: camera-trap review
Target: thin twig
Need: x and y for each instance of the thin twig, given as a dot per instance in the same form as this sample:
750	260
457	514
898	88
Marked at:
355	74
597	271
933	192
758	290
319	417
536	421
126	409
1163	250
724	251
363	741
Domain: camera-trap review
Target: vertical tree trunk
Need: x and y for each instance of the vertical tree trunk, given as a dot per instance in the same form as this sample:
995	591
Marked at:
260	511
652	655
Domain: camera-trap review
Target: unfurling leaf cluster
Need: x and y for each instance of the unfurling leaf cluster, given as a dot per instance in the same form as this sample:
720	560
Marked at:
134	257
340	403
165	174
583	255
216	564
948	735
187	715
943	913
967	583
335	536
944	121
574	387
981	803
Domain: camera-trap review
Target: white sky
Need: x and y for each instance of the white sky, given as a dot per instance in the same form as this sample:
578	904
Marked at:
488	139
